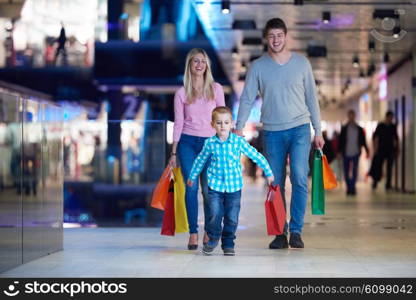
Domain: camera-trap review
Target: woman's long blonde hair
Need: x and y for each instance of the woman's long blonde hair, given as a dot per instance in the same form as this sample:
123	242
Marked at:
208	88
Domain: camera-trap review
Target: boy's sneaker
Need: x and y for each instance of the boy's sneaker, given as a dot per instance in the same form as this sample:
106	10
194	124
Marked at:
280	242
229	251
295	241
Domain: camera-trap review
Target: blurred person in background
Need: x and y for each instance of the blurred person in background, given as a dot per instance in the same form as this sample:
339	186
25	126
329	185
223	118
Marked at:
327	148
386	148
193	105
337	162
61	49
352	139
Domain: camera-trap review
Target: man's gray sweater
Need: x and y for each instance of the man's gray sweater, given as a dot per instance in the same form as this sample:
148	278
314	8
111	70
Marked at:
288	92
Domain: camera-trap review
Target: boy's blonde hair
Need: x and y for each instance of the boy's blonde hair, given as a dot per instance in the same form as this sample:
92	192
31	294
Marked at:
221	110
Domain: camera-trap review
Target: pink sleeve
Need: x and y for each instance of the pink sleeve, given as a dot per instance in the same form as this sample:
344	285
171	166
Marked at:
179	109
219	95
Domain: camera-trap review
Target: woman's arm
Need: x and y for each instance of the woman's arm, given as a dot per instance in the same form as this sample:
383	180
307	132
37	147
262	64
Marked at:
173	155
179	109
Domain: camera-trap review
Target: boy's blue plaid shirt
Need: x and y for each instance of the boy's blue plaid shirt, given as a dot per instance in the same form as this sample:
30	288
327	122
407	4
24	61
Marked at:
224	171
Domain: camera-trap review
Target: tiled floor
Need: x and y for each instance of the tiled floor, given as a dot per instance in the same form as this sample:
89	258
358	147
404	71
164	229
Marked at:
370	235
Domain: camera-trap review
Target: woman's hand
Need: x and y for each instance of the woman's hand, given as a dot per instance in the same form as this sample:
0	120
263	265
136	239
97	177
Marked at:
270	180
172	161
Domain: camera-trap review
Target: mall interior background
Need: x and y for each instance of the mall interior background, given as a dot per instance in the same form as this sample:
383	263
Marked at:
91	130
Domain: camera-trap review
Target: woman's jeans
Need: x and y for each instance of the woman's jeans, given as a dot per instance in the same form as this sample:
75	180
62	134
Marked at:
224	208
295	143
188	149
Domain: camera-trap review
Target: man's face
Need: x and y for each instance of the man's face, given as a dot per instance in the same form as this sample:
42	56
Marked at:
351	116
389	119
276	40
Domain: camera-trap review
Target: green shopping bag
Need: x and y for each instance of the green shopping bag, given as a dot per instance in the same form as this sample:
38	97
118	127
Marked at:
318	192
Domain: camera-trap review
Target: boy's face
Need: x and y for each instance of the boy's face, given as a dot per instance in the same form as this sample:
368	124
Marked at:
222	124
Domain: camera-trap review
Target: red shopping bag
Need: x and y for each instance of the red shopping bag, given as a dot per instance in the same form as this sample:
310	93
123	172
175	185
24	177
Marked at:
168	223
275	211
160	193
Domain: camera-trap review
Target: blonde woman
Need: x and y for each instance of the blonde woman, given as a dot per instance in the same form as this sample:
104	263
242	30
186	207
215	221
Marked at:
194	103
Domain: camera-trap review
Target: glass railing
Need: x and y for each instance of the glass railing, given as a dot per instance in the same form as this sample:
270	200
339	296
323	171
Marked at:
111	169
31	178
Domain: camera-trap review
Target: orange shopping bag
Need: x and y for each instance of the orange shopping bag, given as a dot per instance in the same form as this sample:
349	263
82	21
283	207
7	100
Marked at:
160	193
275	211
330	181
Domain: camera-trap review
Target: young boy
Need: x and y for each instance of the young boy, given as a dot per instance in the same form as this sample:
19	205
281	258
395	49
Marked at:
225	179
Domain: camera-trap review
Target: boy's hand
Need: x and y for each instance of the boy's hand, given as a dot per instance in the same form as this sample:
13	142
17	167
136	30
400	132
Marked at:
270	180
190	182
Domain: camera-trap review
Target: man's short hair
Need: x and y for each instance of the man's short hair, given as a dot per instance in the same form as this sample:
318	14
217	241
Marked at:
221	110
275	23
389	114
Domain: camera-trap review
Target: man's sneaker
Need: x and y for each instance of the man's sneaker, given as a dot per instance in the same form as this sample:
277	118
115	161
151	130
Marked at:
295	241
207	249
229	251
280	242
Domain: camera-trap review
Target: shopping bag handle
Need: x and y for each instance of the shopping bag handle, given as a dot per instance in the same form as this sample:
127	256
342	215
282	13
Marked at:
319	150
271	187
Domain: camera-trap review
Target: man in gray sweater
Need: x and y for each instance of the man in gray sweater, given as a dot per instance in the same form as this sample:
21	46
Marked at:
286	85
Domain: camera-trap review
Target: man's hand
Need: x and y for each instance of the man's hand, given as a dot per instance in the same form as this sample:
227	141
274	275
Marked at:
238	132
270	180
190	183
319	142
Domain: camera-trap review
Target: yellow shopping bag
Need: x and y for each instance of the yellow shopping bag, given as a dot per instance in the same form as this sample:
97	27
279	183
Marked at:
181	218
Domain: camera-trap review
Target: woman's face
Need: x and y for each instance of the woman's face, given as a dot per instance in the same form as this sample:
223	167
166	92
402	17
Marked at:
198	65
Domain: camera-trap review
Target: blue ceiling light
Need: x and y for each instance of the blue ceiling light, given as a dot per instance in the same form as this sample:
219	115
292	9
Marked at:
356	62
326	17
396	32
225	6
234	52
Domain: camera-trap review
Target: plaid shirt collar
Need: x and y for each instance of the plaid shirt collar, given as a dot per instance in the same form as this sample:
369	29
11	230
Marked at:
232	138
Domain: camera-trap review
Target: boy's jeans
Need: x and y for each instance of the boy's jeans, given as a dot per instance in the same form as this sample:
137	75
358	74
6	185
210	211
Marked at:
223	206
295	143
188	149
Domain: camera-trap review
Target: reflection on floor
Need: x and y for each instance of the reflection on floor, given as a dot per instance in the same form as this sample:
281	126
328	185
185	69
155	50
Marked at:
370	235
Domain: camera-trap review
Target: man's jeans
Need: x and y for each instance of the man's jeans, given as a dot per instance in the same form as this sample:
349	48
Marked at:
188	149
223	206
351	162
295	143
